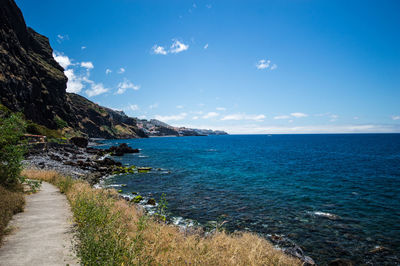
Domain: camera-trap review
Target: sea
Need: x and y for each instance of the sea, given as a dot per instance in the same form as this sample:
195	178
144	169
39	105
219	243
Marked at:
332	195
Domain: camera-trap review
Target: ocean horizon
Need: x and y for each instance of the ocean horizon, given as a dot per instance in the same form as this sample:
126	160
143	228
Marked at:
331	195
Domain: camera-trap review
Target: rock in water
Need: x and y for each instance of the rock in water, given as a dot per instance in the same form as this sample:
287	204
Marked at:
340	262
81	142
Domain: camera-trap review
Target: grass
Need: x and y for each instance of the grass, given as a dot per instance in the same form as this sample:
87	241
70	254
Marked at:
112	231
11	202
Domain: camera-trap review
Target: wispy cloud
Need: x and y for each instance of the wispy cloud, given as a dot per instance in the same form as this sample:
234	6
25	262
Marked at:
178	47
244	117
299	115
168	118
205	46
179	106
210	115
88	65
96	89
282	117
121	70
334	117
220	109
83	47
264	64
61	38
126	84
175	48
159	50
153	106
108	71
396	117
133	107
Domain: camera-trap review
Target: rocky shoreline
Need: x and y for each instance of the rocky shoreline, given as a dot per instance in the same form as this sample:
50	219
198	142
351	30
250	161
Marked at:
75	160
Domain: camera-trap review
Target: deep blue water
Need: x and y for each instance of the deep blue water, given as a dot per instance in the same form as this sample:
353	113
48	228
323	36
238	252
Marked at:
280	184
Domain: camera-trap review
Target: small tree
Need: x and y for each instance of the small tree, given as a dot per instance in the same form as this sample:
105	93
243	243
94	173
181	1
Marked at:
12	128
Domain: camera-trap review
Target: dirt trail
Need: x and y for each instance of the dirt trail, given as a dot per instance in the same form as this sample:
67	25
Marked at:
42	234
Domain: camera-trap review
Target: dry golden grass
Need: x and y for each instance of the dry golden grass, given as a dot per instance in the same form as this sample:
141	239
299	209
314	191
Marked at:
113	231
10	203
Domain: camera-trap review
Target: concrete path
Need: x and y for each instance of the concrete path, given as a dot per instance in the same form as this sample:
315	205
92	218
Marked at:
42	234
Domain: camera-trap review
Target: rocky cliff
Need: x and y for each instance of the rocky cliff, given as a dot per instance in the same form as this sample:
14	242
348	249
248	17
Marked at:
33	83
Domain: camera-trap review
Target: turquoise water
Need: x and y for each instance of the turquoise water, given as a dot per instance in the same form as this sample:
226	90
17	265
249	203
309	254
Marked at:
336	196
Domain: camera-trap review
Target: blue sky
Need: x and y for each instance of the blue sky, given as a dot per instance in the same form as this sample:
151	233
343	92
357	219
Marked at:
280	66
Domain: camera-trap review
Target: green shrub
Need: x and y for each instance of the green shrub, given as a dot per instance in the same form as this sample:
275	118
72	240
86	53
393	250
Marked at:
33	128
102	238
12	150
60	123
64	184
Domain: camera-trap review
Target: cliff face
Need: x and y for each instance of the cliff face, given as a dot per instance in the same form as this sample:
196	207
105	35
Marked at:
33	83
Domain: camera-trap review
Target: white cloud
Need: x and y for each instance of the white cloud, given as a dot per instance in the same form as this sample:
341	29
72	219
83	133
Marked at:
88	65
195	117
244	117
334	117
220	109
61	38
396	117
153	106
210	115
108	71
167	118
263	64
179	106
121	70
74	84
205	46
78	76
83	47
299	115
63	60
209	6
178	47
159	50
142	117
133	107
96	89
126	84
281	117
356	118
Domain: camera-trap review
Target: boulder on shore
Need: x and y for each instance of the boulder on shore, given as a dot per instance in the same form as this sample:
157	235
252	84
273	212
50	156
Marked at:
80	142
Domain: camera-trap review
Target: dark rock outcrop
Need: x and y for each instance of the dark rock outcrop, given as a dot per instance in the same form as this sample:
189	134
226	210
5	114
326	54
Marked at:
121	150
81	142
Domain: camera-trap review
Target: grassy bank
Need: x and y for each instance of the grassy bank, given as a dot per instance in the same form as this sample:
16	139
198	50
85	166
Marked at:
112	231
11	202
